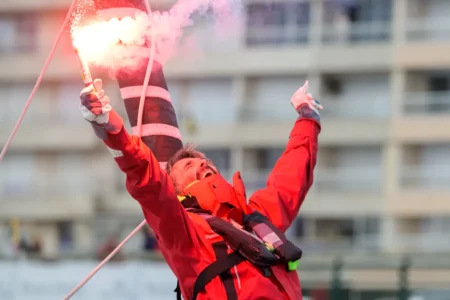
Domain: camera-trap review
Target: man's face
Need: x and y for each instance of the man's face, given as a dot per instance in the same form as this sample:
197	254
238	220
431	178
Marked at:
187	170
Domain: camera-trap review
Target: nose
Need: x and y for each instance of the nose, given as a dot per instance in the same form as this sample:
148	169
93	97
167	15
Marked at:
203	164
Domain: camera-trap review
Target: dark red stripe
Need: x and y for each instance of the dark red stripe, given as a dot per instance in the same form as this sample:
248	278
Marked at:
135	76
162	146
220	249
156	111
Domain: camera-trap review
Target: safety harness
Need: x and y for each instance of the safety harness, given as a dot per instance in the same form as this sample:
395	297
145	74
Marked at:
256	240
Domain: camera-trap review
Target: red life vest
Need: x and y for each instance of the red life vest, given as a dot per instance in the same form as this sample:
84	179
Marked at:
250	234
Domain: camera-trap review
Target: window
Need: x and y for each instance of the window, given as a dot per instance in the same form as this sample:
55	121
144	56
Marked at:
257	165
18	32
220	158
17	175
65	235
210	101
67	97
434	165
361	96
13	97
427	20
71	173
337	234
439	86
357	20
350	169
266	158
278	23
268	98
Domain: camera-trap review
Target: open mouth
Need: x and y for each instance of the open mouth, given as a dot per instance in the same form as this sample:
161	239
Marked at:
207	174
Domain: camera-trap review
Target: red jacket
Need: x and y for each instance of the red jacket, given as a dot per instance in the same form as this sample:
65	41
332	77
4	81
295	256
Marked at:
186	240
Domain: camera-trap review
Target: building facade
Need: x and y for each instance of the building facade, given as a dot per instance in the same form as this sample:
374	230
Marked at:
380	68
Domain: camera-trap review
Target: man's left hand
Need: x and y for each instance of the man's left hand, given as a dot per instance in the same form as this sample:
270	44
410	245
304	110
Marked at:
305	104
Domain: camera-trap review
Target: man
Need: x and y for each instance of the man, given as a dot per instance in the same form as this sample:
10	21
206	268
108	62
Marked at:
202	222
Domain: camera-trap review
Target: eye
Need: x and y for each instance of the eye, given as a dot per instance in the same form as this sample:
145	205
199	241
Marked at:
188	165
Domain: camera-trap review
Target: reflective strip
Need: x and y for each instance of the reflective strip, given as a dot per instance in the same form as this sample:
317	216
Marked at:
158	129
152	91
119	13
162	165
115	153
271	238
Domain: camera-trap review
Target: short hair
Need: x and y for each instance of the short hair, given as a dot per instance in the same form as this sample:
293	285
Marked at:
188	151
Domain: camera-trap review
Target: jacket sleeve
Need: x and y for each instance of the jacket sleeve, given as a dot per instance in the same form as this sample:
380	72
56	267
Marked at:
154	191
291	177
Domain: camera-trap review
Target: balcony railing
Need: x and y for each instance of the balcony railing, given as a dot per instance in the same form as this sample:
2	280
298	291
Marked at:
426	177
357	109
53	186
340	244
356	32
432	29
49	117
430	243
354	108
427	103
277	35
354	179
349	180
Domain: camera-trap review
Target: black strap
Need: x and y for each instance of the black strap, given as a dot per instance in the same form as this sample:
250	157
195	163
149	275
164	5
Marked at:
178	290
221	265
210	272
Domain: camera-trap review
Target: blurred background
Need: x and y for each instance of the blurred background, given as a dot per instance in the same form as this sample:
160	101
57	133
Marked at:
375	224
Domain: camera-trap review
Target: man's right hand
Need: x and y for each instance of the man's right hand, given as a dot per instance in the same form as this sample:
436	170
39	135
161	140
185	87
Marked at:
96	109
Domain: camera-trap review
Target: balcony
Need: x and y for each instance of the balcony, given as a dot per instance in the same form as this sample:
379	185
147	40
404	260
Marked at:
424	243
51	132
424	191
117	199
360	244
421	112
431	29
45	201
353	191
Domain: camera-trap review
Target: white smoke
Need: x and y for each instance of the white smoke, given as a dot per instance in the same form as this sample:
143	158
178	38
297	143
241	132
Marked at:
124	40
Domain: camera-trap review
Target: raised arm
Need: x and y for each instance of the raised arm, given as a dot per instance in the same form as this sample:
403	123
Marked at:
145	182
292	176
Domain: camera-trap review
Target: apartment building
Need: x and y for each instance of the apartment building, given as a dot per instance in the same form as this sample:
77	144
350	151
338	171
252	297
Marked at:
380	68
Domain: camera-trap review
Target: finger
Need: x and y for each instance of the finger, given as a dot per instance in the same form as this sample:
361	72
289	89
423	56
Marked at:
89	98
304	87
98	84
106	109
96	111
104	100
100	94
87	90
317	104
94	105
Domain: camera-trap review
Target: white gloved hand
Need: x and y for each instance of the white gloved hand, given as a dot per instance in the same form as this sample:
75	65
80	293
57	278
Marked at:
305	104
96	109
94	104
